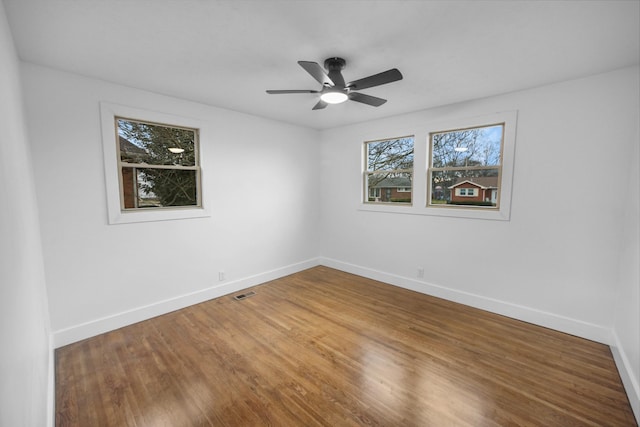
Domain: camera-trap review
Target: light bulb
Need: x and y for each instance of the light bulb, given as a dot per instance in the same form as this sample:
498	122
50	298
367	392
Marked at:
334	97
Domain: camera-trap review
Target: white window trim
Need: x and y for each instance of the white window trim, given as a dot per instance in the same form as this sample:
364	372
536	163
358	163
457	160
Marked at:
421	148
108	113
503	213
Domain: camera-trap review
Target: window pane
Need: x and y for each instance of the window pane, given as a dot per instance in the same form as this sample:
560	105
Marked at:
467	147
156	144
152	188
477	187
391	154
389	187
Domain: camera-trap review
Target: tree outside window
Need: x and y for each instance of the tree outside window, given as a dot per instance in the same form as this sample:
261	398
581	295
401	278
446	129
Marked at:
465	166
389	170
158	164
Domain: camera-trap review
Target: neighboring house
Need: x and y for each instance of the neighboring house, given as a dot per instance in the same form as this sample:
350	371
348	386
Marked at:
129	151
396	189
477	189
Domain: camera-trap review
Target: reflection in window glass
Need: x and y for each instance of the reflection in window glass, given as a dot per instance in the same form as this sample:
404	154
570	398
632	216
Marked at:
156	144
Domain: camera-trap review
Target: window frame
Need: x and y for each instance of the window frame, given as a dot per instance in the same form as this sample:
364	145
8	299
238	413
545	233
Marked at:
136	167
419	197
462	192
502	210
366	173
116	212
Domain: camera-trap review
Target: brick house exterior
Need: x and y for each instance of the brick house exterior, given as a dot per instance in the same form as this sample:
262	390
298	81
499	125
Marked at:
397	189
128	150
477	189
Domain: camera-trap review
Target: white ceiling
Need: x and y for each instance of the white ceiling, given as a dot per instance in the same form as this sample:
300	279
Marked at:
227	53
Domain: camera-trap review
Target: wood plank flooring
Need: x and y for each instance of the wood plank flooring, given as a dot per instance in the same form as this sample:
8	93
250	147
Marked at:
327	348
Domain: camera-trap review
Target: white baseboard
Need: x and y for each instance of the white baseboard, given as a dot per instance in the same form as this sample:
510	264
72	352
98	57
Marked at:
560	323
98	326
548	320
629	381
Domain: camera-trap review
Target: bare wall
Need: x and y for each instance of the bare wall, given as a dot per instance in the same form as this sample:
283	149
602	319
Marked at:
26	357
627	310
259	176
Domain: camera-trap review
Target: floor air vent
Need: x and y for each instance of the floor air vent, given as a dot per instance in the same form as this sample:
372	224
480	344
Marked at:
244	296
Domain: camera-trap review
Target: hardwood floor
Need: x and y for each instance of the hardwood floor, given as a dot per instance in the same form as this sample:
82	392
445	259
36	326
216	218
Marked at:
326	348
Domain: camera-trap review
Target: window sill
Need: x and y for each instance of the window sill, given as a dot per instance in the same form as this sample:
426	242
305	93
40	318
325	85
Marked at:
129	217
385	207
453	212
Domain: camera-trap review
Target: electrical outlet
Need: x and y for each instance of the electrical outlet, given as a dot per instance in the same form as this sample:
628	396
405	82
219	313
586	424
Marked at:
221	275
420	272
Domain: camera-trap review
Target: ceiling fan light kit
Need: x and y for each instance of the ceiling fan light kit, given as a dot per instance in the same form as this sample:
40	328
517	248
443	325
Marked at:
334	97
335	90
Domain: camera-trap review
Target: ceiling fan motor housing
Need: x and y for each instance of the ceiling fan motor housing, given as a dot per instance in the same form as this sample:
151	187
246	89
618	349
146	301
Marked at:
334	64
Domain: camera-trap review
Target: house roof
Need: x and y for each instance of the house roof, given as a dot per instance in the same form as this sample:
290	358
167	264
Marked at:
480	181
394	182
127	146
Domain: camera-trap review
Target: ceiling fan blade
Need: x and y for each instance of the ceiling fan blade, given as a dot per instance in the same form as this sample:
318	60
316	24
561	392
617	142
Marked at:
366	99
376	80
277	92
316	71
320	105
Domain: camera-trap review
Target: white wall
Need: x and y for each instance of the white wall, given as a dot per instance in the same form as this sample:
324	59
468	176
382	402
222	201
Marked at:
555	262
26	372
260	177
626	345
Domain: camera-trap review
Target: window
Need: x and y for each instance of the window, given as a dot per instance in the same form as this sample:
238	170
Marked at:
468	156
389	170
158	165
467	165
465	192
152	165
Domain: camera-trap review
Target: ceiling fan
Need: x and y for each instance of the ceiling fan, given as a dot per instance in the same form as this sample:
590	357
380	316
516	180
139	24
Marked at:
335	90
